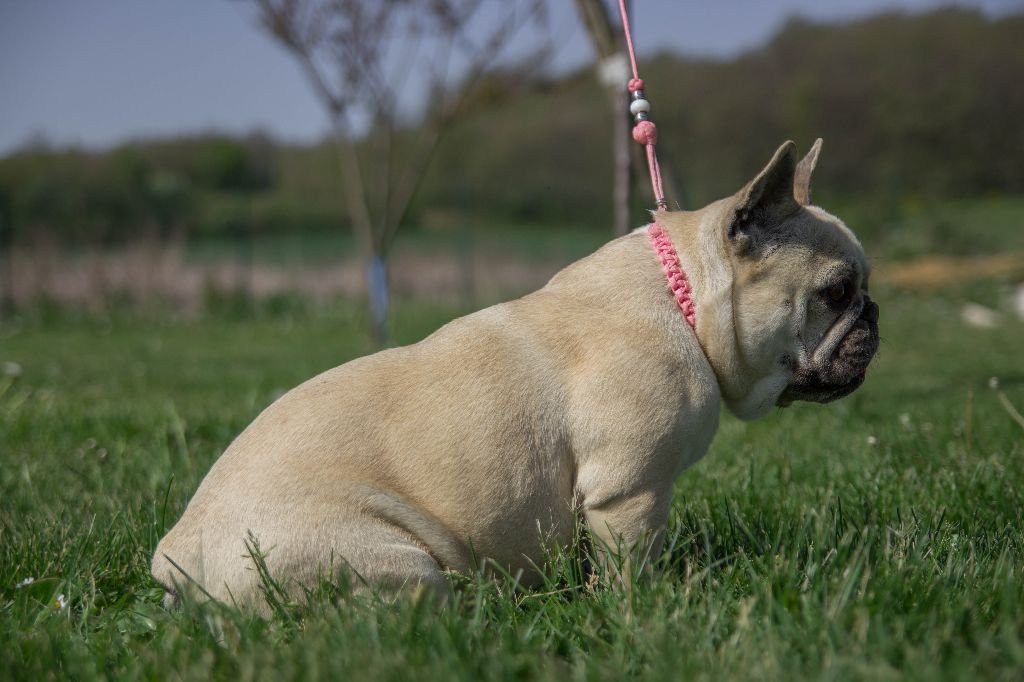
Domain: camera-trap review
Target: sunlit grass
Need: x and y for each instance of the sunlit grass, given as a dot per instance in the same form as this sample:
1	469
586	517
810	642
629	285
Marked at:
877	538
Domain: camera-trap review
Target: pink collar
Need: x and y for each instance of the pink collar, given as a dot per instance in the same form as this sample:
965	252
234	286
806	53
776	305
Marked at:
677	280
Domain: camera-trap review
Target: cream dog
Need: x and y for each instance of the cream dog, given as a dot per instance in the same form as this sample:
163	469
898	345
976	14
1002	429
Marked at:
588	397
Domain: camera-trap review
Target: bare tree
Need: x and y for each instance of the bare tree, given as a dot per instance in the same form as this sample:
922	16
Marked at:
613	69
608	41
366	59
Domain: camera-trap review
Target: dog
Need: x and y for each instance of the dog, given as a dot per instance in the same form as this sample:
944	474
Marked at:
488	440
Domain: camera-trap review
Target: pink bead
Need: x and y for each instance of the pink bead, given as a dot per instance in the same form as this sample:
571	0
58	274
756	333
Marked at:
645	132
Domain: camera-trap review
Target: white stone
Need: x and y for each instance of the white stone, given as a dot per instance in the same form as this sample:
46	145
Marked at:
639	105
976	315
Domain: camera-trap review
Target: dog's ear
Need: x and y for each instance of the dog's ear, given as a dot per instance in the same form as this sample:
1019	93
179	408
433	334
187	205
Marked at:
804	169
764	201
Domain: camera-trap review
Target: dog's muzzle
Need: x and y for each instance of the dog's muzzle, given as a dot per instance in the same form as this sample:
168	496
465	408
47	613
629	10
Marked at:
845	371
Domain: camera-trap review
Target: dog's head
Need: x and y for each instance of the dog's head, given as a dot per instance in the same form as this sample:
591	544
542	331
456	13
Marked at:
803	326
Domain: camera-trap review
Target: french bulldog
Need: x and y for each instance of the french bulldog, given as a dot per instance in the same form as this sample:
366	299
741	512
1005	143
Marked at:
488	440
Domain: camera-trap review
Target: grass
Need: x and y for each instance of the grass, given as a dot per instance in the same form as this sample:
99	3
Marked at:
327	247
877	538
907	228
902	229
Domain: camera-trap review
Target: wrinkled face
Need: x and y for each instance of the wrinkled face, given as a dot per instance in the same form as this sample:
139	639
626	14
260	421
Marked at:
802	311
803	324
839	333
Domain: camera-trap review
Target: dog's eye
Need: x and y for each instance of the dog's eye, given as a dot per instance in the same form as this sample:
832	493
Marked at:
837	292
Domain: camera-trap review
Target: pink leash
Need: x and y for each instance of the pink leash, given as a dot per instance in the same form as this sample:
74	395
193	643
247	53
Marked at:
646	133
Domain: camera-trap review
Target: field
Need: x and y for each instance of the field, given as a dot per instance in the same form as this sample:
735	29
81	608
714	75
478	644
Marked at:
458	262
881	537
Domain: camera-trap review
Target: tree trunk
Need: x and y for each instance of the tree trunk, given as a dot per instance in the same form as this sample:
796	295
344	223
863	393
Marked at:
613	70
378	295
622	179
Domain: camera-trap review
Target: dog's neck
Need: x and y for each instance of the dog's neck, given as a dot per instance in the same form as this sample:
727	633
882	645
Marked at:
711	279
678	282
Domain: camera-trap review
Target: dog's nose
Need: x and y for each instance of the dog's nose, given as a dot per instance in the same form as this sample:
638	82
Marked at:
870	310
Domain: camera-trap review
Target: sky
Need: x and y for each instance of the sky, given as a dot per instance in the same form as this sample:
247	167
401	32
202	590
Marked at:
98	72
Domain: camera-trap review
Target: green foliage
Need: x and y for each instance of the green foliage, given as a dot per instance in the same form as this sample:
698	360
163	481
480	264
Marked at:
156	187
880	537
907	105
912	107
921	105
227	165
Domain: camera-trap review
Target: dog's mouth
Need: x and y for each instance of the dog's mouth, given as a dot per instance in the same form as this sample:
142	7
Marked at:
847	368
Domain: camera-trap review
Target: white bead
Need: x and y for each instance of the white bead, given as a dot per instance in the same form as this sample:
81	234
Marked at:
639	105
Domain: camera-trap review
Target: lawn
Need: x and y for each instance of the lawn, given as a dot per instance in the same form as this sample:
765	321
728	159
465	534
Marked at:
881	537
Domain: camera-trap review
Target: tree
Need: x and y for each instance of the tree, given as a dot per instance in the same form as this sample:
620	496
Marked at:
366	61
613	69
608	39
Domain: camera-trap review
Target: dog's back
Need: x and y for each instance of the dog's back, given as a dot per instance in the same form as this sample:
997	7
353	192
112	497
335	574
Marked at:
429	457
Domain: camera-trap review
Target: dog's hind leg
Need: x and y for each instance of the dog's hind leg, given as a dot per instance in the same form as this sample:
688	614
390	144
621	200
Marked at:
387	560
366	553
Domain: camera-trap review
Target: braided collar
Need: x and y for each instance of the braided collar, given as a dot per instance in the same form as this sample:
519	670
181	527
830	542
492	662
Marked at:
670	265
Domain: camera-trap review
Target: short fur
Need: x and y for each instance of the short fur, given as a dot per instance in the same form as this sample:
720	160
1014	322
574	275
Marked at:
588	397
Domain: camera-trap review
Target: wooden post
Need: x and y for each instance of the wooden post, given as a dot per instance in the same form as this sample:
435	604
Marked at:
613	70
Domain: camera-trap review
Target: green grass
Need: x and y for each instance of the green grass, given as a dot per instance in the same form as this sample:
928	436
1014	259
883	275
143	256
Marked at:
880	537
895	229
325	247
908	228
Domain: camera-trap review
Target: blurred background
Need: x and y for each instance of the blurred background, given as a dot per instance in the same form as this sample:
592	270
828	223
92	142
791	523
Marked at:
204	203
177	159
